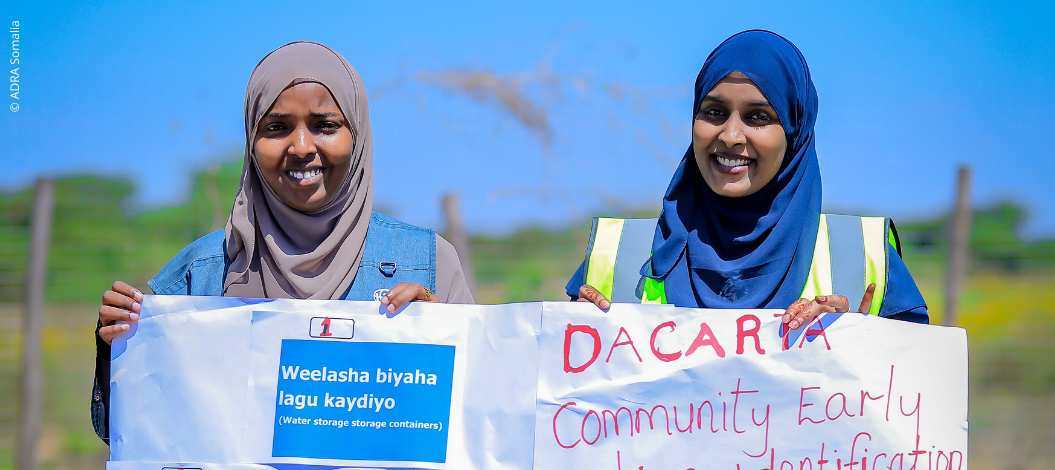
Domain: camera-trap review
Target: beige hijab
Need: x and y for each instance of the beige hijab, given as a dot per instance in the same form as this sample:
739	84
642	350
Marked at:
275	250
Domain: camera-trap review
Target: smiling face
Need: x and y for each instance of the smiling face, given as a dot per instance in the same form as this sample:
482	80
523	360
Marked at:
737	138
303	147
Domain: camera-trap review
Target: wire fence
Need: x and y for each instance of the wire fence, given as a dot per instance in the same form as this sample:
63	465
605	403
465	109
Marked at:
1005	305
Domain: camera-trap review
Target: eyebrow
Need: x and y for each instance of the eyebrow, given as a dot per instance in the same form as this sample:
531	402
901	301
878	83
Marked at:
286	115
717	99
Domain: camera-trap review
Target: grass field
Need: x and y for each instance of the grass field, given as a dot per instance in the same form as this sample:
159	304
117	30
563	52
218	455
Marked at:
1010	320
1010	323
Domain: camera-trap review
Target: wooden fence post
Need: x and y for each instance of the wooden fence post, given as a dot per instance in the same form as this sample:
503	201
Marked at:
32	375
959	245
458	238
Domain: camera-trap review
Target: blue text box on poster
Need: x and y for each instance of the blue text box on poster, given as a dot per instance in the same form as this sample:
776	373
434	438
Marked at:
363	401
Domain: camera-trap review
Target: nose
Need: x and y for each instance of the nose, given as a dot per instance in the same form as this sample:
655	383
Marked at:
733	131
303	142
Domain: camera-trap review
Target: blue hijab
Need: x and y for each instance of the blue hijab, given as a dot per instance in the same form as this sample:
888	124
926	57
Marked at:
755	251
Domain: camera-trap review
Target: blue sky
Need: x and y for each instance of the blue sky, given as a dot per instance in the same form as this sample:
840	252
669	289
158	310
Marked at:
907	92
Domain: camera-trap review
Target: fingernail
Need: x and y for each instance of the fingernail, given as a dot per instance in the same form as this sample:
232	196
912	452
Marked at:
787	317
124	326
136	306
391	308
138	295
794	324
133	316
822	298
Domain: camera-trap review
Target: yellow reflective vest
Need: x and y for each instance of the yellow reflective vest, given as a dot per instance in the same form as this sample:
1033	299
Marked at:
851	253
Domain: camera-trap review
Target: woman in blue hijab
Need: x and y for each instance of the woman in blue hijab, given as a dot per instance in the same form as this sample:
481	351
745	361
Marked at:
740	217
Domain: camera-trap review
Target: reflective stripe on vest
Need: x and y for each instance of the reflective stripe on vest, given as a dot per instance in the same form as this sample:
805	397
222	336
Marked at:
618	248
850	254
876	246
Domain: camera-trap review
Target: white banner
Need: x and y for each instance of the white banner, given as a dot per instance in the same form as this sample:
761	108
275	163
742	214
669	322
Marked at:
212	382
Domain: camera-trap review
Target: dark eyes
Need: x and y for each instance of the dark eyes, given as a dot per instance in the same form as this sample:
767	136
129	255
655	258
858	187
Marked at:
760	117
274	127
713	113
323	125
719	114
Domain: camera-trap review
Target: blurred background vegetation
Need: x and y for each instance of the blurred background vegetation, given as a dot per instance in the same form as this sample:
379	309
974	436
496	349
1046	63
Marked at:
97	238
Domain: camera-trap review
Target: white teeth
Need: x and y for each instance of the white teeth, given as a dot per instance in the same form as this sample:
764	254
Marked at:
301	175
732	162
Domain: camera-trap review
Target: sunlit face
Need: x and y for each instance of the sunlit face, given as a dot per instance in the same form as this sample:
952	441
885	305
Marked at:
304	146
737	138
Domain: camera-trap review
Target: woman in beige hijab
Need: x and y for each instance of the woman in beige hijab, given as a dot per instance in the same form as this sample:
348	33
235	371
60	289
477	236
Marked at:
302	224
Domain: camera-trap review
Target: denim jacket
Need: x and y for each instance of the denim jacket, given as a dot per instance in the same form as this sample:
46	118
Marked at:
394	252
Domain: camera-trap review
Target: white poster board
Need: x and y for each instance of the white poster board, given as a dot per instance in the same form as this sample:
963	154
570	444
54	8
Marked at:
678	388
206	382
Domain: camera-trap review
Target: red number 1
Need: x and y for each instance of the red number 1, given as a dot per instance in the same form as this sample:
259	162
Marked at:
326	327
